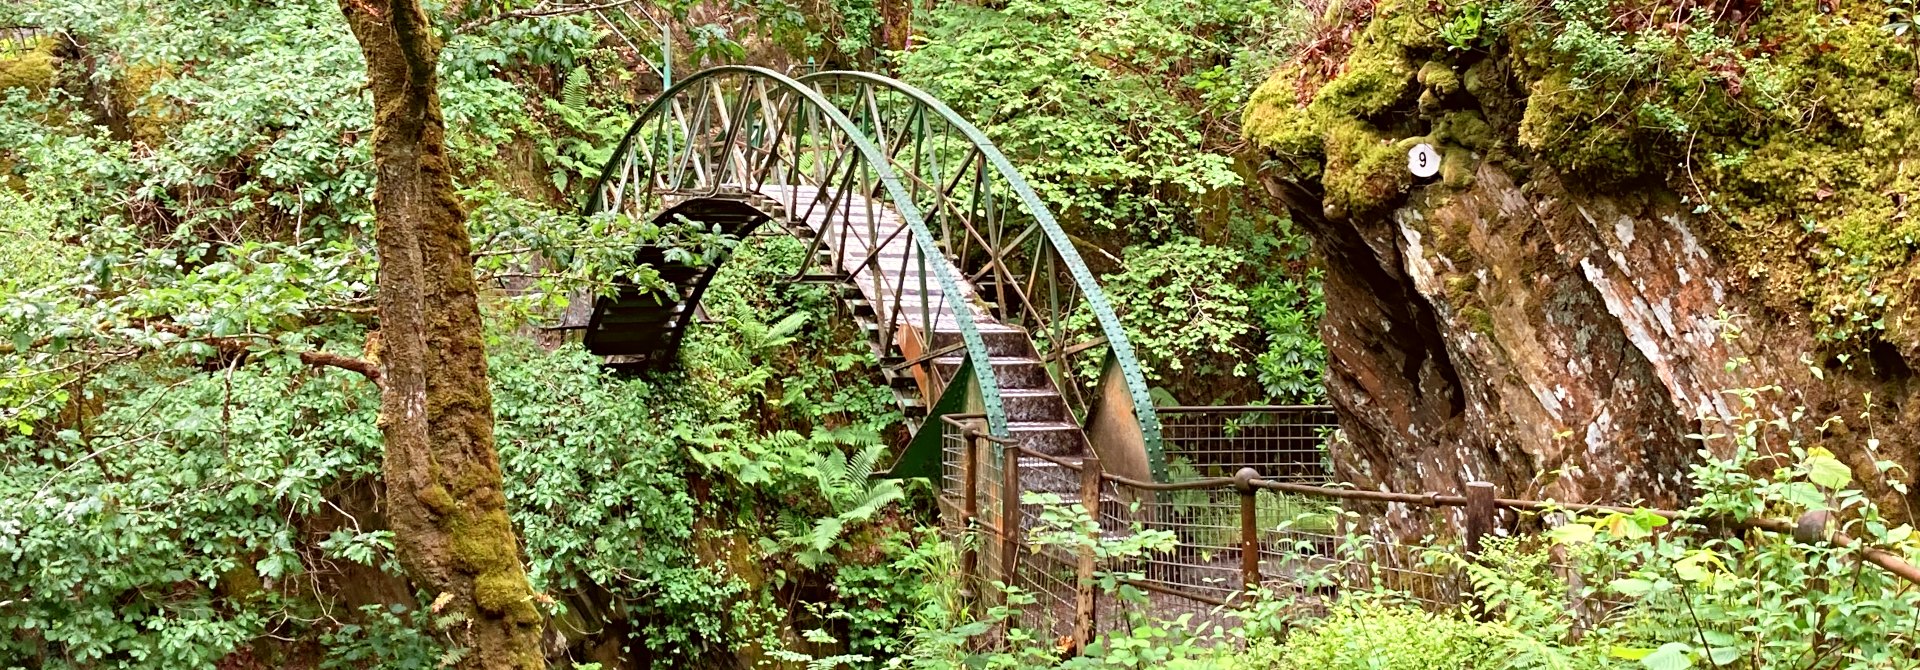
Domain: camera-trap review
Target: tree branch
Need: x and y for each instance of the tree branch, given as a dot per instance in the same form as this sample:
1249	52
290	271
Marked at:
543	10
365	367
316	358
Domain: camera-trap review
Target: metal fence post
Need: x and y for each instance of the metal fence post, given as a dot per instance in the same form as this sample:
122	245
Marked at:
970	510
1249	528
1083	595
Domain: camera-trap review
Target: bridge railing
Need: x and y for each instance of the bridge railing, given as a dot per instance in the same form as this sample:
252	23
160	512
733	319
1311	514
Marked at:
757	135
1232	534
1286	442
1005	240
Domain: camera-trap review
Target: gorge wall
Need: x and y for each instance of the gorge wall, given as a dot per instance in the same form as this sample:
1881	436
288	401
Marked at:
1643	210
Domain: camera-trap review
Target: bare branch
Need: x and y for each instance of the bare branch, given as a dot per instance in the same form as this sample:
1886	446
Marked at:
366	368
545	9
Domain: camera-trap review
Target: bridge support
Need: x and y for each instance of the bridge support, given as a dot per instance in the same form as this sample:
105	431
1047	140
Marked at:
1113	429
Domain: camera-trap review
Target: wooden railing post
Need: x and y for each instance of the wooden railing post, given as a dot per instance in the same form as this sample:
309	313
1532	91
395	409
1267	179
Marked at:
1249	528
1480	511
1480	496
1083	594
1009	512
970	510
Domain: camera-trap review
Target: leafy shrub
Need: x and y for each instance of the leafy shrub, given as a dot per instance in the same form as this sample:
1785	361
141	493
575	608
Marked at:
1376	633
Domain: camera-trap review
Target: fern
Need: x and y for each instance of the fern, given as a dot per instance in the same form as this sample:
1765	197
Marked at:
573	93
846	484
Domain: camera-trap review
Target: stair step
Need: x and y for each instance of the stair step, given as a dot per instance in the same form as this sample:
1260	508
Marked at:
1034	405
1000	339
1013	372
622	317
1053	438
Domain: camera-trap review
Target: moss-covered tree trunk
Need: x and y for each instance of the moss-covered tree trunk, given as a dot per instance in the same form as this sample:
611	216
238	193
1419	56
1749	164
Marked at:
444	491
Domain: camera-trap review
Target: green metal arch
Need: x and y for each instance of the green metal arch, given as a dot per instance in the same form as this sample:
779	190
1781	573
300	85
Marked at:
923	237
1110	327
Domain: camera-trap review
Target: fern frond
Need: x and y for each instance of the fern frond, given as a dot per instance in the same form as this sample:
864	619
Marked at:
831	471
573	93
860	468
788	326
875	500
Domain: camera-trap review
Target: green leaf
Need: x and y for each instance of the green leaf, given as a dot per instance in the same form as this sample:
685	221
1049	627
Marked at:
1629	653
1670	656
1573	533
1632	587
1825	470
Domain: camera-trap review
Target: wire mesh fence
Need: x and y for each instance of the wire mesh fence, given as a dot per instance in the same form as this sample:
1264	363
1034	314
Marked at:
1288	443
1195	547
15	40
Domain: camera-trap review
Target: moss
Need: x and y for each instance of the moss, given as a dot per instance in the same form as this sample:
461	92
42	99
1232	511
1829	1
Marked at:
1378	78
1366	169
1331	137
1466	129
482	541
1276	119
1482	80
1461	285
436	498
1457	166
483	546
507	594
240	583
31	70
1439	78
1565	125
1478	319
149	118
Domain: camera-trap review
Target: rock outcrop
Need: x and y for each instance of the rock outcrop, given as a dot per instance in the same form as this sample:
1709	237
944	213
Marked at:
1589	286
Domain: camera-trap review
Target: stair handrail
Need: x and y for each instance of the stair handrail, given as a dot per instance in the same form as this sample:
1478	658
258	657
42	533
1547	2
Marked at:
1054	239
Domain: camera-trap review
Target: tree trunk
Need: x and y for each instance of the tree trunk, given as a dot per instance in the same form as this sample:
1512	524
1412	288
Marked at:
444	491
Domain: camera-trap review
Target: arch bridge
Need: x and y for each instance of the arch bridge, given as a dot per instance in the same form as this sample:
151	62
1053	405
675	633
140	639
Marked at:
973	298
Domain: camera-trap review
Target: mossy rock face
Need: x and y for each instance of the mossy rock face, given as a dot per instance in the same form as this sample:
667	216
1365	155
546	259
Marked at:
1366	170
1378	79
1790	134
1333	136
1439	78
1276	119
1565	126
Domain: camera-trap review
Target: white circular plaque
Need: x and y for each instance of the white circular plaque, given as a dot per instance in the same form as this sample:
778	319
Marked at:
1423	161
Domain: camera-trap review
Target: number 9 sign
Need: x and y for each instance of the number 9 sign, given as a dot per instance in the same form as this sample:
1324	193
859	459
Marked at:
1423	161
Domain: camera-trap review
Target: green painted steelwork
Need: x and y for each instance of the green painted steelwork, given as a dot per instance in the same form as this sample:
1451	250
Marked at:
922	457
685	138
1059	250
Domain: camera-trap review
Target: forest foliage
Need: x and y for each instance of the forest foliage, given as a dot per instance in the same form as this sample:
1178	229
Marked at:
187	215
186	219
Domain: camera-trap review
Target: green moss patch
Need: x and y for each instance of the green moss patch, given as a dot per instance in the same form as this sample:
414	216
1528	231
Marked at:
32	70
